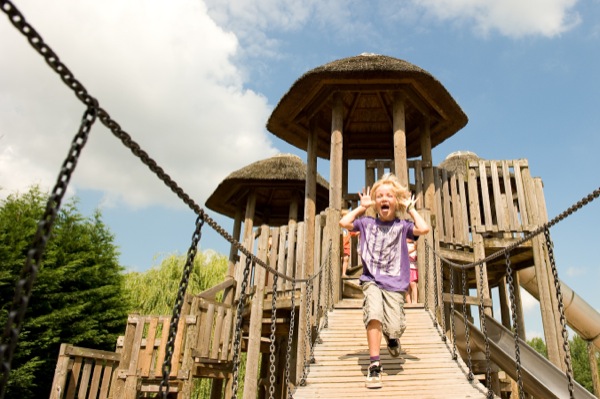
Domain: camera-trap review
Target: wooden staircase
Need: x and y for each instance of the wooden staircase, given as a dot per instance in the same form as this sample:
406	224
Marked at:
425	368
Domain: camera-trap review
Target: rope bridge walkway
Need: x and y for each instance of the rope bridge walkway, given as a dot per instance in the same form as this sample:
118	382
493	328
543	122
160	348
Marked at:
332	369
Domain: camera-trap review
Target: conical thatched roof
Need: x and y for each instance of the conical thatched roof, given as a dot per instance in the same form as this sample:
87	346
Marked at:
276	181
367	84
458	162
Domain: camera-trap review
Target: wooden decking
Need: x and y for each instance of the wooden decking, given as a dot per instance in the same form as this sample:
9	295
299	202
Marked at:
425	369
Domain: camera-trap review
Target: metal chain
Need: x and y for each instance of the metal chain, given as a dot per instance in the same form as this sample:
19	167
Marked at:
467	340
238	328
561	309
288	354
183	284
452	323
435	296
305	338
442	305
426	302
272	346
24	286
511	290
309	314
482	317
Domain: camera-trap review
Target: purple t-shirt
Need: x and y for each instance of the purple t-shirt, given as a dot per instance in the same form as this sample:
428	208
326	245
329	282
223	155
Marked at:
384	252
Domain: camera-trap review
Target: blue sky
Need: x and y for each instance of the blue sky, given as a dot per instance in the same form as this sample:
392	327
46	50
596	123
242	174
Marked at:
194	82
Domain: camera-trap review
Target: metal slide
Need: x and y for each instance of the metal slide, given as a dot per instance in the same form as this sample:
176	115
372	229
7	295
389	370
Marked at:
581	316
540	377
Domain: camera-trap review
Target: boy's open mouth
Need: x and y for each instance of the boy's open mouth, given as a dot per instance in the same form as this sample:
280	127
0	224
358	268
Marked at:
385	207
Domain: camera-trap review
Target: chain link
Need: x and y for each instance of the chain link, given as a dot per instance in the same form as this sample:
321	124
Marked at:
288	355
482	317
561	309
467	338
272	346
185	278
511	290
452	323
238	327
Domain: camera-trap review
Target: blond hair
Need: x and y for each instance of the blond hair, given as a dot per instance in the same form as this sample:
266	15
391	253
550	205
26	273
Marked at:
400	191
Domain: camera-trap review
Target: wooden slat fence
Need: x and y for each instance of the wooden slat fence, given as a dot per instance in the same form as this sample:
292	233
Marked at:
83	373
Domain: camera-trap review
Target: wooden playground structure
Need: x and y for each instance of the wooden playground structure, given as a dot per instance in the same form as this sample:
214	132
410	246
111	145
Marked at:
284	278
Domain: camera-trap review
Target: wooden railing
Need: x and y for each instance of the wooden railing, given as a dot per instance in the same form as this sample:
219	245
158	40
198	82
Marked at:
83	373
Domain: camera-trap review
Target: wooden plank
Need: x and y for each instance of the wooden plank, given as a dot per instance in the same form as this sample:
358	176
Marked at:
96	377
216	344
85	379
439	220
107	377
74	377
281	265
498	202
464	214
160	357
485	196
513	219
521	195
448	233
456	207
147	354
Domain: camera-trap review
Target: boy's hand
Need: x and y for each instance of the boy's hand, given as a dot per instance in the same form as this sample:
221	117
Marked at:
409	203
365	198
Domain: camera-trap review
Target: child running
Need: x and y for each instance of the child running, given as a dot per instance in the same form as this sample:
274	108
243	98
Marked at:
386	266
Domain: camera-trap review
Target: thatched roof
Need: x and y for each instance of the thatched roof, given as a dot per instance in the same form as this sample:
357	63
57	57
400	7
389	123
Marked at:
458	162
367	84
276	181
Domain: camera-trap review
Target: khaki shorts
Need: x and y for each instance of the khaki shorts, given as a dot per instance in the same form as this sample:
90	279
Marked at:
385	306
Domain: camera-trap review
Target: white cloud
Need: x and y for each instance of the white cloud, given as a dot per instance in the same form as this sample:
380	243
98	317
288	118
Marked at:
165	74
512	18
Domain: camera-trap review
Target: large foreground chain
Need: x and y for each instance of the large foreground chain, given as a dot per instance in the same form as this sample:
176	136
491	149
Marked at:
185	278
30	270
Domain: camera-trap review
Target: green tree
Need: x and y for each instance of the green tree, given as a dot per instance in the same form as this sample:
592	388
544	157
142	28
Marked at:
155	290
77	297
579	359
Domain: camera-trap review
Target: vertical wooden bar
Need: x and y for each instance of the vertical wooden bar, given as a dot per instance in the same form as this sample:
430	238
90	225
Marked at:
60	373
498	202
399	127
255	328
513	221
85	378
485	196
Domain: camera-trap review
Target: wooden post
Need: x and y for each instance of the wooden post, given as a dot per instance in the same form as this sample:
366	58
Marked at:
255	328
336	153
478	245
427	201
594	367
248	238
399	126
547	292
310	200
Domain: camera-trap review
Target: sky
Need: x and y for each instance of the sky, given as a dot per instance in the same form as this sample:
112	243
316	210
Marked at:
194	82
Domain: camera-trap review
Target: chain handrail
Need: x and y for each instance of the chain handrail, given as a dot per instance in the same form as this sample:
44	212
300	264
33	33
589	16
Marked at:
24	286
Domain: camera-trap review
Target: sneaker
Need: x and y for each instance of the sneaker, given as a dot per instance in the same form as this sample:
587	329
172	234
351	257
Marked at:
393	346
374	376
